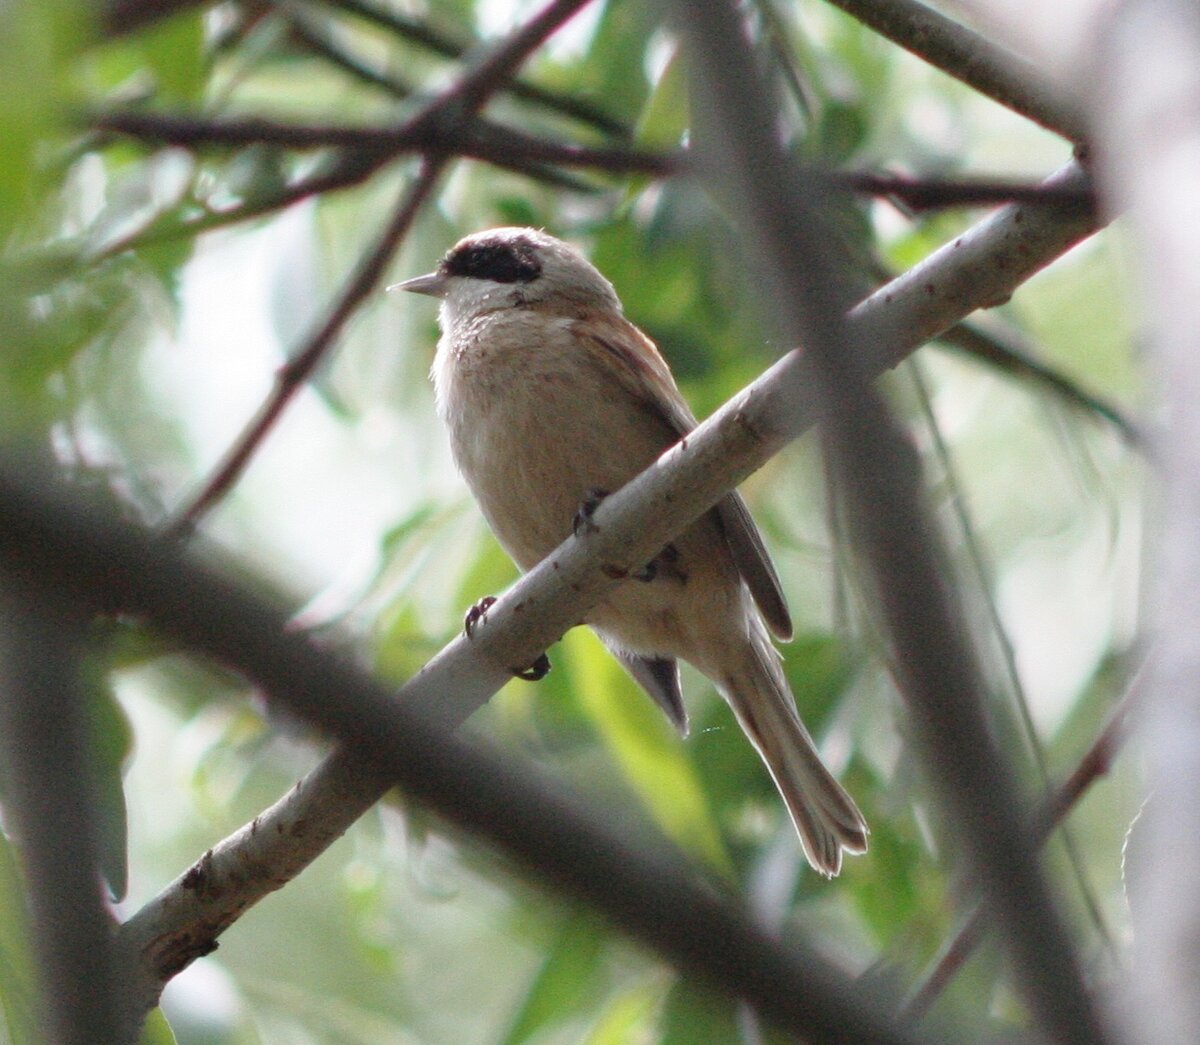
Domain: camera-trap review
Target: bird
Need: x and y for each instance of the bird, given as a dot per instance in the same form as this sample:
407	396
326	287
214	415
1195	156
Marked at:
552	399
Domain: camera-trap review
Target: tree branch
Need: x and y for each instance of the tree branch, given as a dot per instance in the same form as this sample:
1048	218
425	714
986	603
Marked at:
508	147
49	807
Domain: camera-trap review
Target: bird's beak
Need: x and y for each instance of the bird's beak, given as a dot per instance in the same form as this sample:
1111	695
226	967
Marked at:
433	284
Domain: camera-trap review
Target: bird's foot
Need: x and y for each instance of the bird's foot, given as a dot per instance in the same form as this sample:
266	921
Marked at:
536	671
582	523
476	613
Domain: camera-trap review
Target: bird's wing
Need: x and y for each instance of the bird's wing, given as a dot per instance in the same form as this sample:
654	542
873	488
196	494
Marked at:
644	373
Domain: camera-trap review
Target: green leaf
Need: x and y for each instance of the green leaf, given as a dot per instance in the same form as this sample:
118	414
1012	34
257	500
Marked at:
646	748
694	1014
16	968
664	118
627	1018
168	53
39	44
156	1030
564	980
819	667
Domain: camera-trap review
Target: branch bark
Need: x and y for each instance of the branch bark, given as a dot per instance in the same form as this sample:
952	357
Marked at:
990	69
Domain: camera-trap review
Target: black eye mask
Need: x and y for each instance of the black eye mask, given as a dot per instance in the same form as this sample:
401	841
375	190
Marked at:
512	261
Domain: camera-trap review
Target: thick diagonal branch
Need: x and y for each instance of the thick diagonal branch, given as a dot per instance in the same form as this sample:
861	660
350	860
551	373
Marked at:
979	268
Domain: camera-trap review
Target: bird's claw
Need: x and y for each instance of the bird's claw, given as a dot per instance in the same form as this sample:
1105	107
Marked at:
582	522
476	613
536	671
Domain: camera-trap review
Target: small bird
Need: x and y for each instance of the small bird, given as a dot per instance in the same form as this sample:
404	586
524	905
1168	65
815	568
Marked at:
551	397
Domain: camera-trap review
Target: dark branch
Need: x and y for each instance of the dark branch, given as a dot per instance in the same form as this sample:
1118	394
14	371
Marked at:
118	17
1095	764
67	547
514	149
49	807
803	276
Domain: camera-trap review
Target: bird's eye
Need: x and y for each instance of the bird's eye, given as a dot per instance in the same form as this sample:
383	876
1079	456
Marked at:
507	262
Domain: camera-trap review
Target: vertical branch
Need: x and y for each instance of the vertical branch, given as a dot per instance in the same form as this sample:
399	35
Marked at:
43	730
1145	102
803	277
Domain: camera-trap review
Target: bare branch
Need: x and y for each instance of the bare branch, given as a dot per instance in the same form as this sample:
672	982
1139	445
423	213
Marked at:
508	147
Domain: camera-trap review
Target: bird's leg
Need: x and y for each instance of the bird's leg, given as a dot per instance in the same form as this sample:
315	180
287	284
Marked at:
536	671
661	564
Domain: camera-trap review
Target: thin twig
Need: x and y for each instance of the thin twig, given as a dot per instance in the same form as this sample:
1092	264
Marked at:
292	376
342	172
448	46
1095	764
321	43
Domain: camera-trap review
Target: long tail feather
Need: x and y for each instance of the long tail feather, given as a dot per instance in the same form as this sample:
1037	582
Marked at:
825	816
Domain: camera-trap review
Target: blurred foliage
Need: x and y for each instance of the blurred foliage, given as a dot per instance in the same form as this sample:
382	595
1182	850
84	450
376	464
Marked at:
136	346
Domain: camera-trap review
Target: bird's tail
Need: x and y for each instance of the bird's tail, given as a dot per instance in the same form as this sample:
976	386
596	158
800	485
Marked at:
825	816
